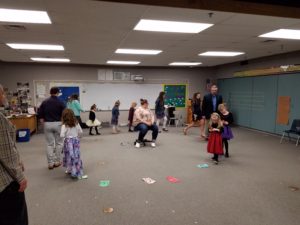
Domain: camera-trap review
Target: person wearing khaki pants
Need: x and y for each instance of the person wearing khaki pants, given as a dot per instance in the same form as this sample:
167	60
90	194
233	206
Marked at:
50	113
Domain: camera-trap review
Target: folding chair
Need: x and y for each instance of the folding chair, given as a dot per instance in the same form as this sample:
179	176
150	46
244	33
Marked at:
295	129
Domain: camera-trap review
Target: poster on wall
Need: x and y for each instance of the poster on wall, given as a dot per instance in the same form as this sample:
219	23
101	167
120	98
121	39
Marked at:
66	92
23	95
175	95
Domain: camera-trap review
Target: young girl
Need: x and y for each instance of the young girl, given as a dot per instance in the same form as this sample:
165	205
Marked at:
160	110
227	119
130	116
93	122
70	131
115	117
215	145
197	115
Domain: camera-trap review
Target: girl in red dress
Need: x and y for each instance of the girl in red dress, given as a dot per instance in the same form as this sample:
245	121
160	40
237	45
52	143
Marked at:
215	145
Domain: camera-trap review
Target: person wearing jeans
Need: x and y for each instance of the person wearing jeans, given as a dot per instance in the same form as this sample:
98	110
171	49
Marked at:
50	113
143	121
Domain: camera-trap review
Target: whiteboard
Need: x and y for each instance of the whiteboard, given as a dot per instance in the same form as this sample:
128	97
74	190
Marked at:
104	95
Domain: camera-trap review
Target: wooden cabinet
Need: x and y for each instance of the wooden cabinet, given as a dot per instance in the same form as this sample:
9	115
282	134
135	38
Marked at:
24	122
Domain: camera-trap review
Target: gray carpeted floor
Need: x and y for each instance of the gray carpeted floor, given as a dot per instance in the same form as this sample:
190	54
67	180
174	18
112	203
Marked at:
249	188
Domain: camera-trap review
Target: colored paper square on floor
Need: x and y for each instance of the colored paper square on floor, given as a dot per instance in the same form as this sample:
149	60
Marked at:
104	183
202	165
173	179
148	180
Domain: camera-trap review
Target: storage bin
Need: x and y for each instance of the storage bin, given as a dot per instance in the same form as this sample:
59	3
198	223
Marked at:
23	135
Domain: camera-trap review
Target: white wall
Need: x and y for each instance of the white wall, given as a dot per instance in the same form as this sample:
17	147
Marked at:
11	73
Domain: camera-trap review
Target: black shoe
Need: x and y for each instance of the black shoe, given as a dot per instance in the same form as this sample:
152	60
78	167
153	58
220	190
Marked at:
226	155
159	131
91	134
165	129
130	130
98	133
216	162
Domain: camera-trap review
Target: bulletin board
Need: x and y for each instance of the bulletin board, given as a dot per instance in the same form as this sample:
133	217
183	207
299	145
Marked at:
175	94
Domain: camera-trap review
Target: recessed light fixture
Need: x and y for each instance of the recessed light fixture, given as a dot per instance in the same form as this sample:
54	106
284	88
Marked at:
50	59
283	33
221	53
137	51
36	47
171	26
185	63
123	62
24	16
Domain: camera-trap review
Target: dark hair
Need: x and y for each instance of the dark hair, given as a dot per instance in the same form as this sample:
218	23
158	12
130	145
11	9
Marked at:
143	101
195	100
117	103
54	90
68	118
75	96
93	106
161	97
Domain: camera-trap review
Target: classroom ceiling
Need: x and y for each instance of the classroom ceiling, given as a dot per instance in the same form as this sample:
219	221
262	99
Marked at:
91	31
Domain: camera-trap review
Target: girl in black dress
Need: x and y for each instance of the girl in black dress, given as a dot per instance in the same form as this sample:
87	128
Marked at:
197	115
227	120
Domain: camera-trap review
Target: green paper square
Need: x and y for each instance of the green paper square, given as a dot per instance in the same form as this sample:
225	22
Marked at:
104	183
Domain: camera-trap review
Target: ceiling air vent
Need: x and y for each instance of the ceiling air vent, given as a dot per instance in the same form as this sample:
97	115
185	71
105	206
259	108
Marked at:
14	27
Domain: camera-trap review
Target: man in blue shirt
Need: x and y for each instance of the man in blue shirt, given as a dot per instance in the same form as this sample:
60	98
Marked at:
210	104
50	113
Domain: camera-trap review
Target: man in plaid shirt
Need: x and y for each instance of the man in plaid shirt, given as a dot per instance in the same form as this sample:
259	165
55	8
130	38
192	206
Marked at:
13	209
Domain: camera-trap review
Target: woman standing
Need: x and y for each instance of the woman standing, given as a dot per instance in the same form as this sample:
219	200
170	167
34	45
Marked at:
160	111
197	114
75	106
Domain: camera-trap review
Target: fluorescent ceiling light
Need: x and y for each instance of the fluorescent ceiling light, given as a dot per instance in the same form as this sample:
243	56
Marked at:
36	46
218	53
171	26
185	63
50	59
24	16
123	62
138	51
283	33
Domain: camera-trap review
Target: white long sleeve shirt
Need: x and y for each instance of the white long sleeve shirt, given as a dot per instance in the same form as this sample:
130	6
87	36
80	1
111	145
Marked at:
69	132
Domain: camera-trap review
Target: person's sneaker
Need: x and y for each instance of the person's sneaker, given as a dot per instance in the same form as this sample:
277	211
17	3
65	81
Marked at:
137	145
98	133
56	165
50	167
83	177
67	172
153	145
216	162
165	129
91	134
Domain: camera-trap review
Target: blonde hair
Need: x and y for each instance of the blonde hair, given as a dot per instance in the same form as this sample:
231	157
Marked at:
220	124
133	104
222	106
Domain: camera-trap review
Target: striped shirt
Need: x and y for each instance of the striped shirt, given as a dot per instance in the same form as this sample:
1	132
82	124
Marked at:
9	154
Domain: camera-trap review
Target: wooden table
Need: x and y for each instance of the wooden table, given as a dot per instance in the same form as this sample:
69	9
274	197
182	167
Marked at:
24	122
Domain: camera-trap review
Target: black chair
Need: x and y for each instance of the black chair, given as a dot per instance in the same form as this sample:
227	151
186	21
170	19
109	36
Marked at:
295	129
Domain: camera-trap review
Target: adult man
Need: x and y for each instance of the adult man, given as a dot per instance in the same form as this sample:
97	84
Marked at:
13	209
210	104
50	113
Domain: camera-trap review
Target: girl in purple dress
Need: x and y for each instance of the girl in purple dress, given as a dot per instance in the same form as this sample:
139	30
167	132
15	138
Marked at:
227	120
70	131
